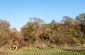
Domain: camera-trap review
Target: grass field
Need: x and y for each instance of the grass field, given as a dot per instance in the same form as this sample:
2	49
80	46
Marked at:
49	51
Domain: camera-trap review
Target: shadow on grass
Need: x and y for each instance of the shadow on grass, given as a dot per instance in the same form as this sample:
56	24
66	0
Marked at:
82	50
72	50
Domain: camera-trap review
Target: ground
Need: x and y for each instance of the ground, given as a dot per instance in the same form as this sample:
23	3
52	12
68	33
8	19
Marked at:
48	51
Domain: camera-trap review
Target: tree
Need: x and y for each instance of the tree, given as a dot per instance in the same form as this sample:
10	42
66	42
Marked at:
81	18
68	20
4	31
54	24
32	29
15	38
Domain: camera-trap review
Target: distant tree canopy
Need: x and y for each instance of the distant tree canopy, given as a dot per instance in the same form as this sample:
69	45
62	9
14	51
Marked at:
37	33
81	18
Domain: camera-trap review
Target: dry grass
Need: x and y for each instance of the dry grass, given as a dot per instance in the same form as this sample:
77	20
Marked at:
4	51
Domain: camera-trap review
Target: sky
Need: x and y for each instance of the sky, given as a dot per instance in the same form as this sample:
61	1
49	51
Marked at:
17	12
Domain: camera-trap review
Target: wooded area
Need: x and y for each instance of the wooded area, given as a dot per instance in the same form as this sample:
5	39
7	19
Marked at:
38	34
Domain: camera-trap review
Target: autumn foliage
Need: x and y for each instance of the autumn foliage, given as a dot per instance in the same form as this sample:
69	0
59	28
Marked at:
36	33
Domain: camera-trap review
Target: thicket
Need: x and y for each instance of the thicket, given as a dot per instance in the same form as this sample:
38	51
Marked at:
36	33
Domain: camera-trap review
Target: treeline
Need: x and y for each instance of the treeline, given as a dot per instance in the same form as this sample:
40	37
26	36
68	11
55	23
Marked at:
36	33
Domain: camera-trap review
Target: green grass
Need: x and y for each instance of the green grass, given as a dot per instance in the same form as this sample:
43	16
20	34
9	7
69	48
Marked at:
47	51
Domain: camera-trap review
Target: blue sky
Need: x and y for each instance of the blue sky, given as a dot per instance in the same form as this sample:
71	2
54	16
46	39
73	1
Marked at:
17	12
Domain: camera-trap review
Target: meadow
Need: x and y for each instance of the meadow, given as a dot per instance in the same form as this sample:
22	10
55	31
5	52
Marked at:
47	51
